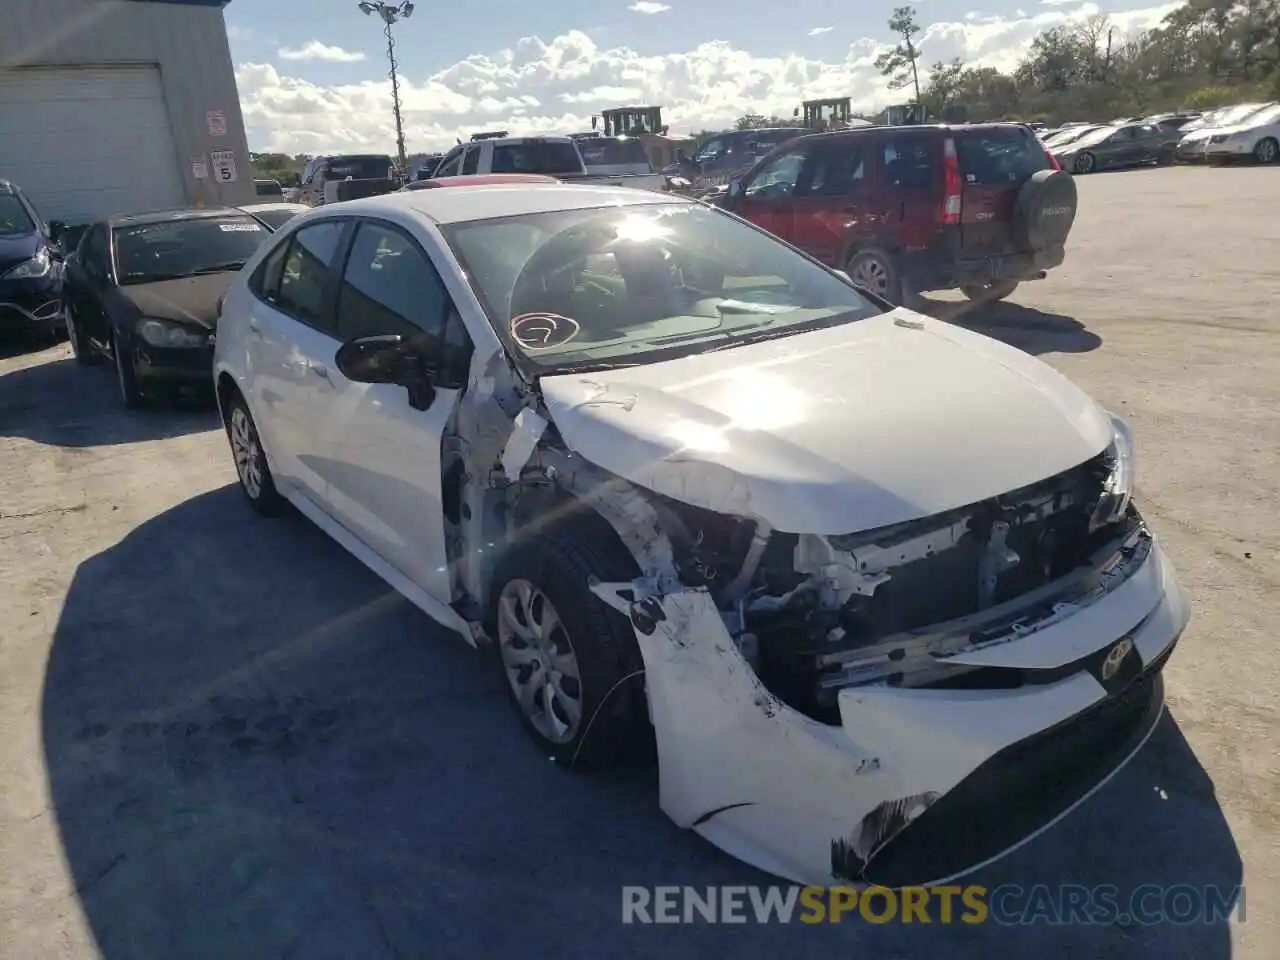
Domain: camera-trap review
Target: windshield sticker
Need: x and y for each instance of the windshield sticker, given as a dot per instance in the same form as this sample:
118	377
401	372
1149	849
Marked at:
239	227
539	331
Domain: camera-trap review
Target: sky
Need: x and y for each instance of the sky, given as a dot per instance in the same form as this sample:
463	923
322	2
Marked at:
313	76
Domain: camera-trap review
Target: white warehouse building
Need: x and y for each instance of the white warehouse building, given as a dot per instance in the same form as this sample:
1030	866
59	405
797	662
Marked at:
112	107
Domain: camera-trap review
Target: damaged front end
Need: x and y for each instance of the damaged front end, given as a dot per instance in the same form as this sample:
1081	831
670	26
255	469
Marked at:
820	701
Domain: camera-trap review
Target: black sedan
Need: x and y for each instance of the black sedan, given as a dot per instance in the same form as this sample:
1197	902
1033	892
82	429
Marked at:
143	291
30	267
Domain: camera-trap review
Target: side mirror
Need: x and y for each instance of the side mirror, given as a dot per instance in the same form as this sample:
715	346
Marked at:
388	359
735	188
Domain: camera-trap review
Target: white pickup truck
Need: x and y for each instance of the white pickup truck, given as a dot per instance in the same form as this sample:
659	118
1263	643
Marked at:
556	157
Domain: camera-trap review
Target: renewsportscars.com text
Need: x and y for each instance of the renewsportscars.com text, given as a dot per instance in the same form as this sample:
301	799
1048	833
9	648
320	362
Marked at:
1007	905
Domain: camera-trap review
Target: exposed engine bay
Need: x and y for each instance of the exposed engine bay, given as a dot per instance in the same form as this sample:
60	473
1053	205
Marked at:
815	614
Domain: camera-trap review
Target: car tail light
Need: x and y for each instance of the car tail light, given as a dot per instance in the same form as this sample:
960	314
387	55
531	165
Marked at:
951	191
1053	161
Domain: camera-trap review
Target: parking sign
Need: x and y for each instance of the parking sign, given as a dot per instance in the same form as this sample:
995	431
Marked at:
217	123
224	166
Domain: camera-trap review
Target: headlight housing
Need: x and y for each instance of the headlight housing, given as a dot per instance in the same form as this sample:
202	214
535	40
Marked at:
1118	487
166	333
33	269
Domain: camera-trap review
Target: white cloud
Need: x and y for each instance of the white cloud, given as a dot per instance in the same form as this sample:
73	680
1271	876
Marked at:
648	7
235	32
315	50
555	86
819	31
1060	3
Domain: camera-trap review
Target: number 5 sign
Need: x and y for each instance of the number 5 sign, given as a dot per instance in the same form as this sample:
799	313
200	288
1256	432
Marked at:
224	166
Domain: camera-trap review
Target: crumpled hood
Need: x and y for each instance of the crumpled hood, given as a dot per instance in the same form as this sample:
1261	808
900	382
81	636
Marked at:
188	300
839	430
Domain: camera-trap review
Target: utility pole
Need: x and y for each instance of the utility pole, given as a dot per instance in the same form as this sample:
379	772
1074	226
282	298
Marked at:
390	14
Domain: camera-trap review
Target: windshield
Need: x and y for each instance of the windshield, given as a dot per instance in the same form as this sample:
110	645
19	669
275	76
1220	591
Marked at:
576	290
14	218
358	168
1233	116
610	152
550	157
275	219
1265	115
1066	136
185	248
1094	137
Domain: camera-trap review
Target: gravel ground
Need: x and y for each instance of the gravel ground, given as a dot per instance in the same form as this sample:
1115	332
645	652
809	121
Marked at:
223	738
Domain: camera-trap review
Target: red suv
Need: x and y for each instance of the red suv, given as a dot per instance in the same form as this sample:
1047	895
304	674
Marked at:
902	210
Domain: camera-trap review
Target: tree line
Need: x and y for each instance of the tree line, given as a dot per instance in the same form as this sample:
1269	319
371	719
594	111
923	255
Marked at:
1204	54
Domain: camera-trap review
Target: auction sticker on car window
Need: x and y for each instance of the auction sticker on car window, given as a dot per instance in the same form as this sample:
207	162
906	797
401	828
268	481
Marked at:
239	227
538	331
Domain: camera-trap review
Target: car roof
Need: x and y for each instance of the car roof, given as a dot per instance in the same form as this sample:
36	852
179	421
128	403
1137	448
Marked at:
272	205
173	216
506	141
488	201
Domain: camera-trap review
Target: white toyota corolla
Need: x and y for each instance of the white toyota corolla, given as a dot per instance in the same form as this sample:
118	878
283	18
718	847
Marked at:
871	582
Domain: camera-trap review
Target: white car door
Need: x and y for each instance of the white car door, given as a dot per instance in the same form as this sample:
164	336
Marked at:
291	347
382	457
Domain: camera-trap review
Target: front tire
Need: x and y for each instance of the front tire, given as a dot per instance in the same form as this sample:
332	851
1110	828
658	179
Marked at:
1267	150
252	469
569	661
126	377
989	292
1085	163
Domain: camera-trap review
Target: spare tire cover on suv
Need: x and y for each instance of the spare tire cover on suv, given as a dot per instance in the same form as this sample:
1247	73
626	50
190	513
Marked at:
1045	210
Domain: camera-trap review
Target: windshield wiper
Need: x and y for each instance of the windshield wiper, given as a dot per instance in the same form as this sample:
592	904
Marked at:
131	278
219	267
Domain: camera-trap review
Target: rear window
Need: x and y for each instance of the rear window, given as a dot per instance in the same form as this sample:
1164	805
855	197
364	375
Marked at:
183	248
358	168
610	151
999	155
550	157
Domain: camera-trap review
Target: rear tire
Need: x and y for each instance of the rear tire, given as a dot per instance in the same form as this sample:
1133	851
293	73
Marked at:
1267	150
875	270
1085	163
989	292
252	469
81	348
556	642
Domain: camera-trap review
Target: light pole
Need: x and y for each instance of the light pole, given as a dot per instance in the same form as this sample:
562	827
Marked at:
390	13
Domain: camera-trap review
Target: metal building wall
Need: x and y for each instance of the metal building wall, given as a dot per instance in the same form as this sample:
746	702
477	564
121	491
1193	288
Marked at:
186	39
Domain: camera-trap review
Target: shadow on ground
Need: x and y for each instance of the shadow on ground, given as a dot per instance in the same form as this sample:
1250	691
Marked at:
61	403
1030	330
19	343
256	750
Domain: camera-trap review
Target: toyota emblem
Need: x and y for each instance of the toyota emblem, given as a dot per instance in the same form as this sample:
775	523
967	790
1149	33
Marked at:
1115	657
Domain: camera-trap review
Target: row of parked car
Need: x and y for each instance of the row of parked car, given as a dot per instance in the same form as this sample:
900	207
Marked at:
1247	131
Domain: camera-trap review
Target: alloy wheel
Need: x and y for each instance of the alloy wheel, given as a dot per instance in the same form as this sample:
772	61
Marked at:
1266	151
539	661
871	274
247	453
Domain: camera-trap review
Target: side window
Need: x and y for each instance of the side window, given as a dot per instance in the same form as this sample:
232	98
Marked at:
910	163
318	174
471	160
1124	133
777	179
305	272
839	169
389	287
96	253
449	165
265	282
711	150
